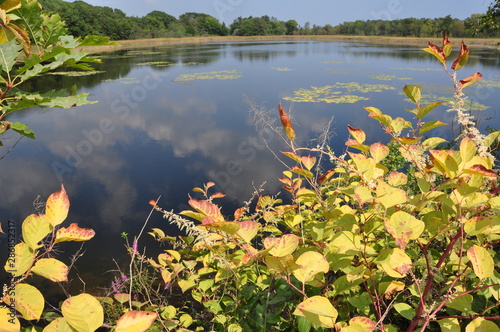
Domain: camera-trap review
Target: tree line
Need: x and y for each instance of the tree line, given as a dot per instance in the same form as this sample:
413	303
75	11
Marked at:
83	19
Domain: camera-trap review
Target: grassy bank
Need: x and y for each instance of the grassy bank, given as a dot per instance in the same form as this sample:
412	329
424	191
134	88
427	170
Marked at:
407	41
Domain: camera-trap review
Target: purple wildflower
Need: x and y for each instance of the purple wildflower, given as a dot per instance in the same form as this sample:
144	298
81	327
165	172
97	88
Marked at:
134	246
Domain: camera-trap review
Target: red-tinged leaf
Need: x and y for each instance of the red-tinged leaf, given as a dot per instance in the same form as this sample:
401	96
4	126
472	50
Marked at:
286	181
397	179
286	123
248	230
436	51
409	140
292	156
74	233
358	134
355	145
301	171
482	262
52	269
462	58
207	208
326	176
281	246
481	170
239	213
210	185
136	321
57	207
218	195
447	47
379	151
471	80
308	162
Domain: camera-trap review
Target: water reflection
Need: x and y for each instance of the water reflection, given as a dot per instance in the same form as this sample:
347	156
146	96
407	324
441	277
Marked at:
149	135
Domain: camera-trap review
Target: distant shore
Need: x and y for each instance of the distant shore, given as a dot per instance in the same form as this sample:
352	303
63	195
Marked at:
405	41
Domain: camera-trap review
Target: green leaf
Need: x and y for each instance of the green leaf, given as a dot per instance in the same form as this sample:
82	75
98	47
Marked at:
482	325
53	28
303	324
404	227
30	18
22	129
482	262
389	196
83	312
413	92
449	325
405	310
9	51
461	303
425	110
430	125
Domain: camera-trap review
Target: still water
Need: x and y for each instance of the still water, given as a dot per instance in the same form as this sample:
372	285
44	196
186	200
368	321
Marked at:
175	117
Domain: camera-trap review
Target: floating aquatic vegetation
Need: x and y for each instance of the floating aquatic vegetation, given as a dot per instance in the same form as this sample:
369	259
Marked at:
142	52
344	62
388	77
337	93
364	88
220	75
191	63
282	68
418	69
124	80
76	73
157	63
325	94
488	83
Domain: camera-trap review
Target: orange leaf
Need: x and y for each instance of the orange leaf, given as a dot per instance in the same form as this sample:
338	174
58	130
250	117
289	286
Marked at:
308	162
471	80
74	233
57	207
286	123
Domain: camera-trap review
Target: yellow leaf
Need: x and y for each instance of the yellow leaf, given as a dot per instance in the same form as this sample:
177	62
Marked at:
229	227
362	195
361	324
481	325
481	260
396	179
59	325
57	207
9	5
281	246
285	264
467	149
389	196
27	300
74	233
379	151
248	230
9	321
395	262
449	325
136	321
51	269
345	242
122	297
83	312
308	162
358	134
35	228
404	227
21	261
310	264
318	310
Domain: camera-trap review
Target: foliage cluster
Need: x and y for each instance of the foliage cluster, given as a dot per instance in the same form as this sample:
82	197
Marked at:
33	43
84	19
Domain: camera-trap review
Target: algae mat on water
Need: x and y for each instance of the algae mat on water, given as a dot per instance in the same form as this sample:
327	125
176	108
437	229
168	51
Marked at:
337	93
220	75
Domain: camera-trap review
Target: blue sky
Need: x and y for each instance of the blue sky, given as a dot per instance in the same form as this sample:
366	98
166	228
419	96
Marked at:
318	12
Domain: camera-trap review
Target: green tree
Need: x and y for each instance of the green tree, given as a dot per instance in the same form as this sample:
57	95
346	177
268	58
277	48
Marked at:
291	27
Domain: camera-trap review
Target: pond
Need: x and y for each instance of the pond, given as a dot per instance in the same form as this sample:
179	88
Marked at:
172	118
